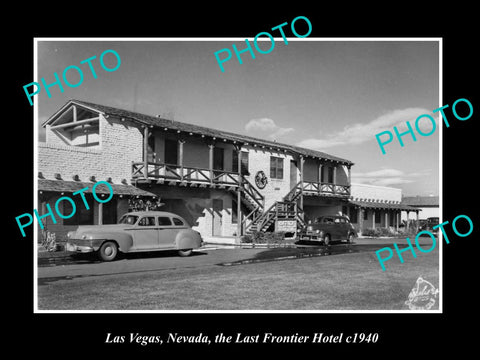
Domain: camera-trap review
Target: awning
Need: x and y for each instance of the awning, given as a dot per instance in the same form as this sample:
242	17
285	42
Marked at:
72	186
383	205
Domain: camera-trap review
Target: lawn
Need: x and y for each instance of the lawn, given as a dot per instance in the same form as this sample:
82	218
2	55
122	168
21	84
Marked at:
352	281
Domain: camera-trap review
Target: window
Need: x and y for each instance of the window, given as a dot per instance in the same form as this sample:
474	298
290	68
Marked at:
330	174
128	219
147	221
164	221
177	222
276	167
244	166
339	221
327	220
377	217
82	216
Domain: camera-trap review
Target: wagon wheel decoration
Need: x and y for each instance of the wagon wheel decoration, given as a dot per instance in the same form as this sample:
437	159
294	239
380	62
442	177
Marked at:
261	179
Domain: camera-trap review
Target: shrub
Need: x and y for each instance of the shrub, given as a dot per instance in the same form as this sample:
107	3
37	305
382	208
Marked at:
378	232
259	237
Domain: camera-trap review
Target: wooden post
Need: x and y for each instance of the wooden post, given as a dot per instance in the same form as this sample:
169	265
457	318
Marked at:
145	152
349	180
408	220
334	178
100	213
180	156
302	160
319	178
239	192
386	219
416	224
360	220
397	219
210	161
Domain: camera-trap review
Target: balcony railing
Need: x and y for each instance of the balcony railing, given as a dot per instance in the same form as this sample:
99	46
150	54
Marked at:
316	188
169	172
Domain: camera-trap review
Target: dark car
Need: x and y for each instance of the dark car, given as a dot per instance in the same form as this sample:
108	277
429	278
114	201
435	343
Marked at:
431	222
329	228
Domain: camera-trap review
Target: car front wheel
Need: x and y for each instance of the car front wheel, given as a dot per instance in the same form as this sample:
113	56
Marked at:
185	253
108	251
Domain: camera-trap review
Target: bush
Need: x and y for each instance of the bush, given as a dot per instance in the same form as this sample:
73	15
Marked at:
378	232
259	237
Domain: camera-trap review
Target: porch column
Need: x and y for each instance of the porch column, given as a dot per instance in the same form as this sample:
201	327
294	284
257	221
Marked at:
180	156
145	152
319	178
334	178
397	218
416	224
210	161
386	219
349	179
302	160
360	220
408	220
100	213
239	192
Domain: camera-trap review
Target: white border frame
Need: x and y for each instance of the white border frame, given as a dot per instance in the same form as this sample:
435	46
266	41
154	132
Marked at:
345	39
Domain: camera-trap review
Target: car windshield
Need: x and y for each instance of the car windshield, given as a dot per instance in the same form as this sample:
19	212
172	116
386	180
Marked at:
128	219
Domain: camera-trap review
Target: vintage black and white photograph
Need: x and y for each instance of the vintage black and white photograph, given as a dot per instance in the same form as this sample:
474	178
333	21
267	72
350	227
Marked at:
269	174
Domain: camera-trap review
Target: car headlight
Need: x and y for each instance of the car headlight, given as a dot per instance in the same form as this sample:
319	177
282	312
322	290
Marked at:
317	231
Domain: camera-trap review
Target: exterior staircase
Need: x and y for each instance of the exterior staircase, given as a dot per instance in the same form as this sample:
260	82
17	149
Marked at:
287	209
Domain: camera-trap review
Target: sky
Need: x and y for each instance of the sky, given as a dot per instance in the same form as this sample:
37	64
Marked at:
331	96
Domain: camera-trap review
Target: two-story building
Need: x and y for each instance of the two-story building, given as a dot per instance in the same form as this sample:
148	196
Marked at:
223	184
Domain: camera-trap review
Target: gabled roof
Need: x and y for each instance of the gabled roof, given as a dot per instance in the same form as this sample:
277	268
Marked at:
155	121
421	201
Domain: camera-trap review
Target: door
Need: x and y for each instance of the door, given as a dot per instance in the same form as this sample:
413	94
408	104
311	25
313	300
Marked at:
145	234
293	173
217	159
341	229
167	232
217	221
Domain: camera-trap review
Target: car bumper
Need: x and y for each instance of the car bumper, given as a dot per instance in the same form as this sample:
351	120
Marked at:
311	236
82	246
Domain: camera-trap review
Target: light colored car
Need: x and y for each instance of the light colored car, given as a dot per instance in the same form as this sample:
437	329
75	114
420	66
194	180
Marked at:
136	231
329	228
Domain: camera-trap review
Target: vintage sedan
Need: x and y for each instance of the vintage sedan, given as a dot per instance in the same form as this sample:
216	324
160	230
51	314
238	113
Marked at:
329	228
136	231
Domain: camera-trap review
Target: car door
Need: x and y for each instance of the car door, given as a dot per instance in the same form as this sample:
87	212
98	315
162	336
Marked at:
145	234
328	226
166	232
340	228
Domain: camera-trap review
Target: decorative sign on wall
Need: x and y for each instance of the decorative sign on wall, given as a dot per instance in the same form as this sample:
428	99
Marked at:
287	226
261	179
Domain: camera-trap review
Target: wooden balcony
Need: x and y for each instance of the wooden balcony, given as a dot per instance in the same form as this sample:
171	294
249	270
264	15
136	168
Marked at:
316	188
312	188
183	174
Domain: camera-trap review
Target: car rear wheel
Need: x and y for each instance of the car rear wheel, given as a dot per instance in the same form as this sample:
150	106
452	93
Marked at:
326	239
185	252
108	251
